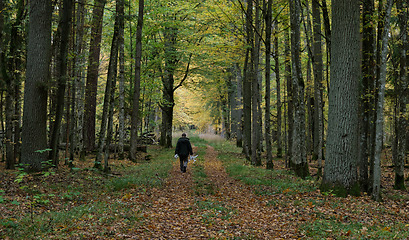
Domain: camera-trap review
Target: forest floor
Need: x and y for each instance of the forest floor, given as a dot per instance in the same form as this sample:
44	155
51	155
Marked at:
219	197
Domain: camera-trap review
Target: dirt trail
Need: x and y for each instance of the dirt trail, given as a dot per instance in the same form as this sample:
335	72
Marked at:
231	212
253	218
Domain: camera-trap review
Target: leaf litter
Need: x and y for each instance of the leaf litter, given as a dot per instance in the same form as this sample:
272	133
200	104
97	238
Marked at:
233	210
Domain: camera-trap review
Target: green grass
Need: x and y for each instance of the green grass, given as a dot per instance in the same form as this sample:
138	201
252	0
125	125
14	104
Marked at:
70	222
337	229
215	209
149	174
277	181
203	186
84	203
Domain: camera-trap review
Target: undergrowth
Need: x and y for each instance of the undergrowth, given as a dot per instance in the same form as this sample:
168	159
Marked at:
149	174
81	204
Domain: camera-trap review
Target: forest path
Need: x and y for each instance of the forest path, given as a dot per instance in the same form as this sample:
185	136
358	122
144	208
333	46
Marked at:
229	209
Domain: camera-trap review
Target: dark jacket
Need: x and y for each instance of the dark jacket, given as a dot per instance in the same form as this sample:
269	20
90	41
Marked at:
183	147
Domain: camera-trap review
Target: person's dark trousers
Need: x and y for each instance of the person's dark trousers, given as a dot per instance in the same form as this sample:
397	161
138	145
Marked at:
182	165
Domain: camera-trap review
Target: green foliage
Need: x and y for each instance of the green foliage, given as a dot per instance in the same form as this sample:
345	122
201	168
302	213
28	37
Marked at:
149	174
1	196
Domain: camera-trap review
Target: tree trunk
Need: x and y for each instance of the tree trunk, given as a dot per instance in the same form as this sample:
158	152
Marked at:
268	20
376	87
136	91
255	107
119	28
77	119
34	132
109	91
121	78
12	76
367	91
327	26
290	105
92	76
278	89
318	69
247	83
239	107
402	92
64	29
376	192
298	158
340	172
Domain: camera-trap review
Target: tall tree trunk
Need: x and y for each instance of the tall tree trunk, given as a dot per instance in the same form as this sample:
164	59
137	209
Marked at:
309	89
119	29
247	83
136	93
376	87
34	132
340	173
121	79
278	89
8	80
255	107
367	91
268	20
109	92
318	69
12	77
290	104
376	192
77	119
92	75
327	26
298	158
64	32
239	108
402	91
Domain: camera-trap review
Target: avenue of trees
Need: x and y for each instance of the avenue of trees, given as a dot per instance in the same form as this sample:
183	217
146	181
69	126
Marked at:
308	80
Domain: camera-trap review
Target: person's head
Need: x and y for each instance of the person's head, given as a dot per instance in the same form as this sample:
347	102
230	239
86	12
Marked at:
183	134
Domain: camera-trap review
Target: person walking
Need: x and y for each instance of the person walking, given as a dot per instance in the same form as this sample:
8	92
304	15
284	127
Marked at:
183	149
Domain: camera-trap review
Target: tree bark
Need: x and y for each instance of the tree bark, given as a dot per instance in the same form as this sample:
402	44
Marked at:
376	192
11	71
77	119
92	76
247	83
340	173
64	32
268	20
109	91
121	79
278	89
34	132
366	90
402	92
298	158
238	110
255	107
290	105
318	69
136	93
